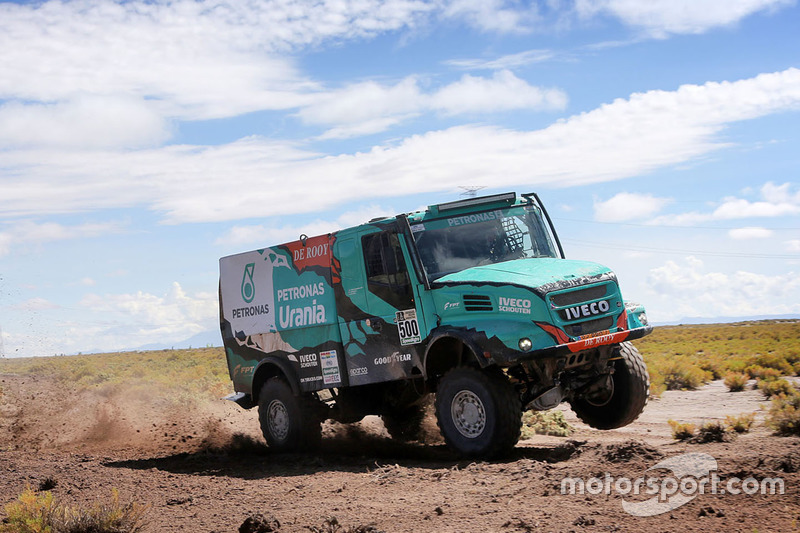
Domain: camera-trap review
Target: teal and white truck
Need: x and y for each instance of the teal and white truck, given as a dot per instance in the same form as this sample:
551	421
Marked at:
471	301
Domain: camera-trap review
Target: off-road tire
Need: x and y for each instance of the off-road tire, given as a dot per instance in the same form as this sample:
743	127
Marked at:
288	422
478	412
631	390
405	424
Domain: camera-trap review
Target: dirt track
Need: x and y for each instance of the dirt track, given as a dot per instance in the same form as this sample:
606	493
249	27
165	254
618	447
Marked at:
203	469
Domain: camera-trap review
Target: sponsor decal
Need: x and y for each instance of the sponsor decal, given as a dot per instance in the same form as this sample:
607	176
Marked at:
307	361
515	305
314	252
248	285
240	370
359	371
253	310
416	228
477	217
451	305
394	358
330	367
310	379
309	315
586	310
408	327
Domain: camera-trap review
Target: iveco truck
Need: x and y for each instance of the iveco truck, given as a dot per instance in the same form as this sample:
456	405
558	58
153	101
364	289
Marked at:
470	301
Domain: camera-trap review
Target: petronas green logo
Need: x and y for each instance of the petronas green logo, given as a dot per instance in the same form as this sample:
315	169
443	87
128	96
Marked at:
248	285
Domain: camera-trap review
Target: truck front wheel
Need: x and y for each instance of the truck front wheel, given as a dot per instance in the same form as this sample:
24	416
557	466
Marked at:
624	400
288	422
479	413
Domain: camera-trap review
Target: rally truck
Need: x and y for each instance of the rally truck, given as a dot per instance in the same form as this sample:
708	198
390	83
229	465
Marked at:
470	302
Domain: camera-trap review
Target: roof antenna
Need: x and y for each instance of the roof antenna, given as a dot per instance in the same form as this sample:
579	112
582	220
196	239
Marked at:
470	191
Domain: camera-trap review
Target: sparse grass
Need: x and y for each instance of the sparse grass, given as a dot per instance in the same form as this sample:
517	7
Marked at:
199	373
735	381
741	423
763	349
545	423
784	414
681	430
775	388
43	513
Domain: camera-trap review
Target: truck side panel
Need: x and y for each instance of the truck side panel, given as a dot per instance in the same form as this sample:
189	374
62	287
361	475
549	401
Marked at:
279	301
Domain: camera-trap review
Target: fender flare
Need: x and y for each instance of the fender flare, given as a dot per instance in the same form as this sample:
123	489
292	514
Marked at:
274	366
461	335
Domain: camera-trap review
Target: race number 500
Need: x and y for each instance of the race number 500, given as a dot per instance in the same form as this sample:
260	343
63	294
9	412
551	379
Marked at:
408	327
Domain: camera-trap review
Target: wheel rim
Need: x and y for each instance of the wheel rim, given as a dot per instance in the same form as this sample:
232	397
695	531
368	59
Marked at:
278	420
604	397
468	414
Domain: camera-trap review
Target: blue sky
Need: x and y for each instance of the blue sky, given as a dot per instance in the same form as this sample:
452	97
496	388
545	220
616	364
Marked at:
141	141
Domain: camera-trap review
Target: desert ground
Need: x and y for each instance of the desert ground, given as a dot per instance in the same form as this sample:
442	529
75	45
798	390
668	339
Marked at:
203	467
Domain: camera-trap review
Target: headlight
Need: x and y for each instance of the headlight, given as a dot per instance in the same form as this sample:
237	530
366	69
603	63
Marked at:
525	344
643	319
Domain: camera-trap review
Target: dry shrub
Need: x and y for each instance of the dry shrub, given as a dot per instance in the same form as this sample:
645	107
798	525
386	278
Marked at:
761	373
545	423
682	375
775	388
714	431
43	513
784	414
681	430
735	381
741	423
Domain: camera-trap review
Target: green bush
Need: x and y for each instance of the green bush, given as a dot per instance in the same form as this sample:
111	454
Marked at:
775	388
680	430
682	375
784	414
741	423
714	431
42	513
735	381
545	423
761	373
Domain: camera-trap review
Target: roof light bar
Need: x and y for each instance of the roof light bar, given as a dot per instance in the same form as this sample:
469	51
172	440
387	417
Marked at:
508	197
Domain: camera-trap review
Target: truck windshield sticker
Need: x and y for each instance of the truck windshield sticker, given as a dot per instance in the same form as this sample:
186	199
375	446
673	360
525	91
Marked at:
408	327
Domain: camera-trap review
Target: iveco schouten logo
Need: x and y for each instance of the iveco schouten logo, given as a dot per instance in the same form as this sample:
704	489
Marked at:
248	286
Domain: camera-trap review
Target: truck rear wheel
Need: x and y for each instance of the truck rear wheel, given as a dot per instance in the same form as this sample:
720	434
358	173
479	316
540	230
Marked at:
288	422
479	413
625	399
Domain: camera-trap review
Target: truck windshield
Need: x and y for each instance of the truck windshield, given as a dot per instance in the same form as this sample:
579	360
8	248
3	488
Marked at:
452	244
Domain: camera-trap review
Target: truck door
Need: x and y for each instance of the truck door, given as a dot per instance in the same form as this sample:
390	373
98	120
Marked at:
383	337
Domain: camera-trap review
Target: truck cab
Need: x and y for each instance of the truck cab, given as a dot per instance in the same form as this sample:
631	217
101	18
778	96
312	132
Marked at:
469	302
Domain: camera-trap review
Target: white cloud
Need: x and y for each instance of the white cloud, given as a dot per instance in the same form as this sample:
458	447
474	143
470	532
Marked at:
85	122
628	206
663	17
268	235
149	318
191	184
503	92
749	233
509	61
491	15
793	245
26	232
35	304
370	107
777	201
694	292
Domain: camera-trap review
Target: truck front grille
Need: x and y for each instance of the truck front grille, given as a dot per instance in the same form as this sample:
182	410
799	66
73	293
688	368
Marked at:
581	295
590	326
477	302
